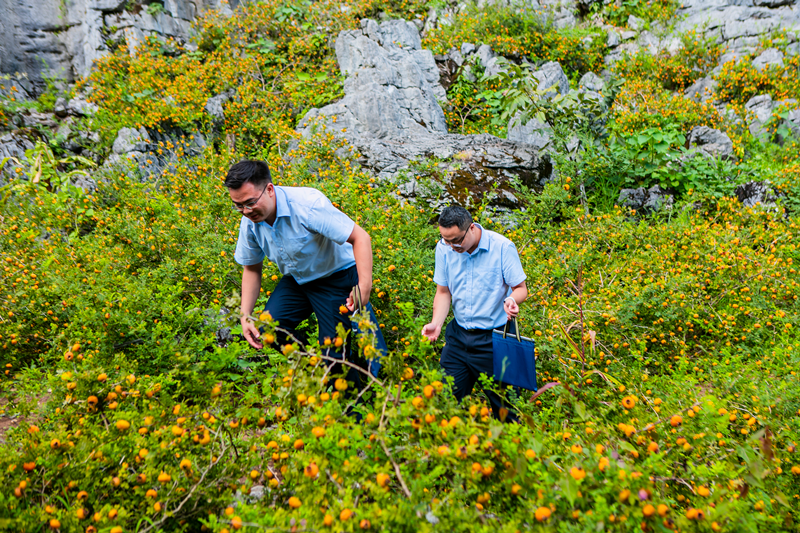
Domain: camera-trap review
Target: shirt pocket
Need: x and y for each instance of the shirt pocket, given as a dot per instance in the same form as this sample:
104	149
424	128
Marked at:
491	280
305	248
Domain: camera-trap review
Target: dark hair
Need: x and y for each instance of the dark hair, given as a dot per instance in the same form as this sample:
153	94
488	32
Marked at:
255	172
455	215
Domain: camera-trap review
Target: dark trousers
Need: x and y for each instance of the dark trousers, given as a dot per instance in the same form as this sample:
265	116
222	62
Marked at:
467	354
291	303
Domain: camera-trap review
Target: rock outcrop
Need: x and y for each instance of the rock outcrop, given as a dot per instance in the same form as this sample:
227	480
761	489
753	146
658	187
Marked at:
63	38
739	24
391	114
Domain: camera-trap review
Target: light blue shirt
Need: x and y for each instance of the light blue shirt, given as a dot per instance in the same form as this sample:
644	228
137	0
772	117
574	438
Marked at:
307	241
479	282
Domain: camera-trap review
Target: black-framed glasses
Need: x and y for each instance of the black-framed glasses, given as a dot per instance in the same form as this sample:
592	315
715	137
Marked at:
251	204
457	242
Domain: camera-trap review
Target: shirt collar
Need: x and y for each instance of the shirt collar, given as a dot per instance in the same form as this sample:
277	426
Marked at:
483	244
281	204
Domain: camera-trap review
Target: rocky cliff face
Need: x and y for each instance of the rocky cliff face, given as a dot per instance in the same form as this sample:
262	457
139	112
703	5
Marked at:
62	38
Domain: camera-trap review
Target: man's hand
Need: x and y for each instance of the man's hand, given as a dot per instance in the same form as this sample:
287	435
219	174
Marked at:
431	331
350	302
511	308
251	334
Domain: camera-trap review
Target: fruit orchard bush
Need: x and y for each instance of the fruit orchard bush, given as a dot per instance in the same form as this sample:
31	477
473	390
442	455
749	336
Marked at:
739	80
662	11
520	32
668	345
675	71
692	312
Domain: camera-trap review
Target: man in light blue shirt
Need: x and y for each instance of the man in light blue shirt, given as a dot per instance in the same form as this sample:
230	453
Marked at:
320	251
479	272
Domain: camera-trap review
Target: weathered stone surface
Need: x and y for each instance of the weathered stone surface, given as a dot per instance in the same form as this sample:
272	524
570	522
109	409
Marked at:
613	39
635	23
536	133
80	107
12	145
756	193
767	58
63	38
703	90
759	112
646	200
710	142
551	75
390	114
592	82
390	88
739	24
131	140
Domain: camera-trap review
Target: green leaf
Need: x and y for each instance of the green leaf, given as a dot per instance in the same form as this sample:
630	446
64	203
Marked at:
570	488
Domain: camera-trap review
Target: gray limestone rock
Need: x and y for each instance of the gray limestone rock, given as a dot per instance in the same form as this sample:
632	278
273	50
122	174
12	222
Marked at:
767	58
60	107
390	91
592	82
551	75
13	146
646	200
485	54
131	140
756	193
711	142
635	23
792	122
702	90
649	41
536	133
628	35
738	24
63	38
214	108
391	116
80	107
759	110
467	49
613	39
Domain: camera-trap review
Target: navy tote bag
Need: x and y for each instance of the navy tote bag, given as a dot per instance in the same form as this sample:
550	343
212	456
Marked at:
514	358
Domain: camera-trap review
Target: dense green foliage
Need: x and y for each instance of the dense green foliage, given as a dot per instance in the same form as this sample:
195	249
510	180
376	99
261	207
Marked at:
668	344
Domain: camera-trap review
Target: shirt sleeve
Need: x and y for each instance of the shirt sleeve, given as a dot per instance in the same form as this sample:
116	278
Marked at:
440	268
329	222
513	274
248	250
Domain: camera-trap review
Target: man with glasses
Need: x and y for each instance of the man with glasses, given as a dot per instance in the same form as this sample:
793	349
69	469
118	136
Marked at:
320	251
479	272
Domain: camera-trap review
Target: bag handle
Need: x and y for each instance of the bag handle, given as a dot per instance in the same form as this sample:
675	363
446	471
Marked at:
356	293
516	328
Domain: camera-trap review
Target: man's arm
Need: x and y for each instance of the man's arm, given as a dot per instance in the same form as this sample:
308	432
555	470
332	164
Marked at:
441	308
251	287
518	295
362	251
